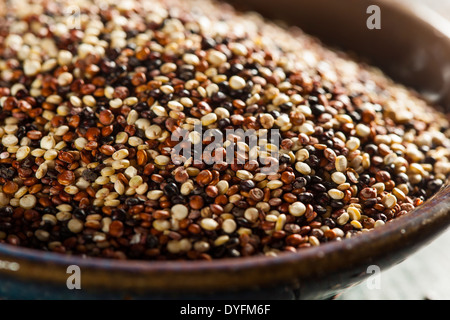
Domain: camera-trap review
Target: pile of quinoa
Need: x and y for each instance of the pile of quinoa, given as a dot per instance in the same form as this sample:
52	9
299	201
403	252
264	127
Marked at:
91	92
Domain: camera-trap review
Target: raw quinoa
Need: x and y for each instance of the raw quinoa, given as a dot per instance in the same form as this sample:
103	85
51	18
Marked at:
92	92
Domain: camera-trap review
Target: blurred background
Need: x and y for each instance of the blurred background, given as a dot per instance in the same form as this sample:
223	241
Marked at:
425	275
441	6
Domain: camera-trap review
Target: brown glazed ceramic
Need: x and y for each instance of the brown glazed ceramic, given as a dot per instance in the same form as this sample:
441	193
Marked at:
414	50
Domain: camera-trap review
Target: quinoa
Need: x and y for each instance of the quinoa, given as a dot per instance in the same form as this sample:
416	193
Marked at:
89	104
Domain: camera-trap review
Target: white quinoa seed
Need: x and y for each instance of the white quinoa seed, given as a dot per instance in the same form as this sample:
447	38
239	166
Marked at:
209	119
338	177
75	225
135	182
362	130
64	57
65	79
229	226
297	209
251	214
120	154
179	211
274	184
237	83
389	201
303	168
162	160
279	225
379	223
244	175
28	201
9	140
22	152
209	224
341	163
353	143
356	224
192	59
216	58
336	194
354	213
343	219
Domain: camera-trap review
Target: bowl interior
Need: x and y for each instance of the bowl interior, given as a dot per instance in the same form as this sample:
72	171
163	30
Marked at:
412	45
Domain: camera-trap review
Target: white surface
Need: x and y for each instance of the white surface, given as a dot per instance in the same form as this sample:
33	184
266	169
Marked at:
424	275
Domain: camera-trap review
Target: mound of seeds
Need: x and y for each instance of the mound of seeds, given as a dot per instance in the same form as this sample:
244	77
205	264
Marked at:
90	98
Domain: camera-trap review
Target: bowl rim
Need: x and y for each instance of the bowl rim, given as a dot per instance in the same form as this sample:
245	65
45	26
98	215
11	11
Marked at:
375	238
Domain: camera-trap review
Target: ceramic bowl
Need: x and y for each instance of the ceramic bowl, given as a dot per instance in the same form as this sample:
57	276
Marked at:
413	46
